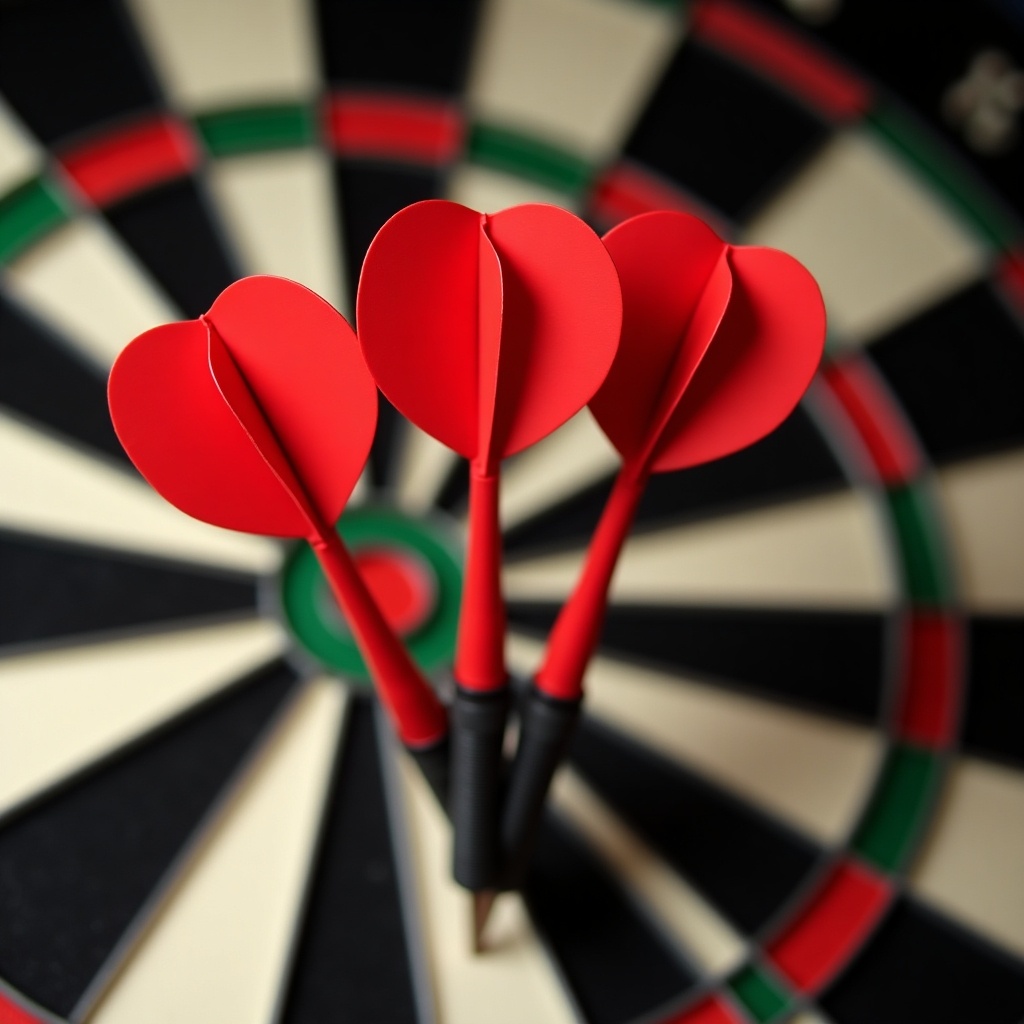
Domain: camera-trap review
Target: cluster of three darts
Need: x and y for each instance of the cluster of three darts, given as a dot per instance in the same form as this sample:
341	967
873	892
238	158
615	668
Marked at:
488	332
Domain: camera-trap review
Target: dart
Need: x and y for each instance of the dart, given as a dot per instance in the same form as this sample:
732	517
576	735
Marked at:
719	343
259	417
488	332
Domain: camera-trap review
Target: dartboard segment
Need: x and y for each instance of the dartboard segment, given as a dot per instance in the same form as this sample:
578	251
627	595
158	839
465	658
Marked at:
703	935
996	652
793	461
352	956
590	67
772	652
49	382
114	139
855	188
80	280
774	556
616	960
959	37
55	727
256	107
230	929
128	825
91	592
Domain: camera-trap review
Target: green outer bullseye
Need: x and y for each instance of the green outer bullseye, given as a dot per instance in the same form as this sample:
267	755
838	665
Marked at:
305	596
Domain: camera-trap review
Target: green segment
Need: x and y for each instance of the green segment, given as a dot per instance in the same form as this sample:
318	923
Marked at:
507	150
252	129
27	213
933	163
897	807
759	993
312	615
925	572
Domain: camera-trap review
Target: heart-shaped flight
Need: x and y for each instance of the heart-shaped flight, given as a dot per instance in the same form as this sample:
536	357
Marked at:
719	342
488	332
259	417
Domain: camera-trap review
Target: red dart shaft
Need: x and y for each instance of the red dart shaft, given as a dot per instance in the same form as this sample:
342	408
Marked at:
578	626
480	656
419	716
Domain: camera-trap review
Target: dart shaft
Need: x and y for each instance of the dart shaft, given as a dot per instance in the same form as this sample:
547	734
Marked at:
477	783
419	717
480	653
577	629
546	727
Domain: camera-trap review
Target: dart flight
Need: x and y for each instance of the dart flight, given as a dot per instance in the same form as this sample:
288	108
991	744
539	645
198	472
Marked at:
259	416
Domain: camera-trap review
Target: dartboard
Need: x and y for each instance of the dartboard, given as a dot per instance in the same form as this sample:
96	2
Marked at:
796	791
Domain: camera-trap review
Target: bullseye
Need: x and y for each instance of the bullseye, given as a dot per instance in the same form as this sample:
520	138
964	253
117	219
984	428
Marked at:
403	586
412	567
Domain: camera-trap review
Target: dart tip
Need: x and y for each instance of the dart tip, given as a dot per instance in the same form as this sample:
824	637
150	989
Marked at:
483	901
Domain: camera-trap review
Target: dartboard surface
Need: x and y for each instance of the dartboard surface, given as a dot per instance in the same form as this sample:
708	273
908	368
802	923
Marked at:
796	794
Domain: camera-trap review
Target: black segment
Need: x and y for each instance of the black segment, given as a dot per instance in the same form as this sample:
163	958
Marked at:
829	661
47	381
994	715
57	591
921	967
958	372
745	863
546	728
352	961
382	463
171	231
616	962
454	493
722	132
79	867
67	65
790	463
921	59
396	43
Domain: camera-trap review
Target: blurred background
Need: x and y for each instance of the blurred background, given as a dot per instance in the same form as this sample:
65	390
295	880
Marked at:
796	794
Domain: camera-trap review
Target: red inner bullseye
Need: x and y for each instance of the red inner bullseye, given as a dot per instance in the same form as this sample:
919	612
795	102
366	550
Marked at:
403	587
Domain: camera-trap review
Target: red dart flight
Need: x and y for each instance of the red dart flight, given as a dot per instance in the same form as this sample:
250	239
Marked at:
259	417
719	343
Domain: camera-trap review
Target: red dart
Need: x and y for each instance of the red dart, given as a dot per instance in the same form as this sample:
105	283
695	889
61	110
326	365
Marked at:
488	332
259	417
719	342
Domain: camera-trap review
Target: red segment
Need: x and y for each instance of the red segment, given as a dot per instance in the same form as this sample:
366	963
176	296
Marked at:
395	127
402	586
889	442
1010	274
928	703
625	190
13	1014
831	927
757	41
712	1011
130	159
